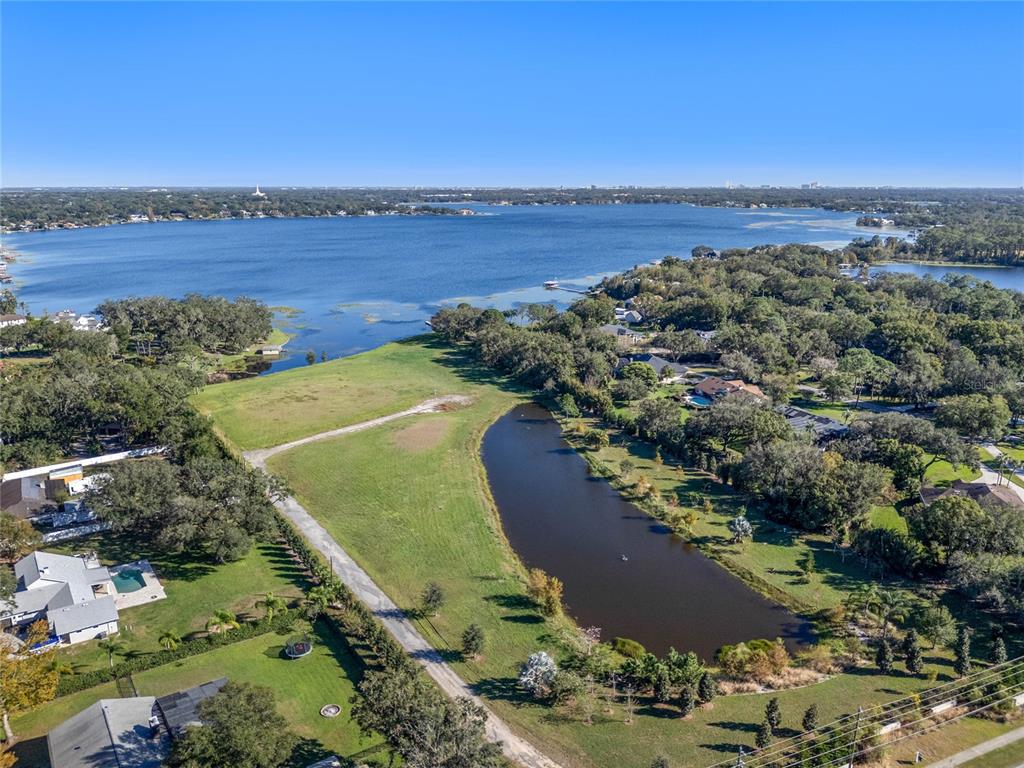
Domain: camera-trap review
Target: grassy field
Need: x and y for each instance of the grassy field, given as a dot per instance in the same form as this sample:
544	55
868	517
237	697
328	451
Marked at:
194	591
267	411
301	688
1010	756
409	501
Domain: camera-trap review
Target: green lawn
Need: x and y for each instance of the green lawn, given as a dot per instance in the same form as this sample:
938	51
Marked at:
1010	756
194	591
888	517
301	688
270	410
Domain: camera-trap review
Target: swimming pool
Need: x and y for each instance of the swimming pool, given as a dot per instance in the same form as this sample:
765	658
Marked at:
700	401
128	580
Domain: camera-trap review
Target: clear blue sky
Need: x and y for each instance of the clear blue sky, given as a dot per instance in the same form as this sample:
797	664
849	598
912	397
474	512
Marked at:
518	94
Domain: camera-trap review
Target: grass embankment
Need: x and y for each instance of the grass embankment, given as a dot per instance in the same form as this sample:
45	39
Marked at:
410	503
301	688
194	591
1010	756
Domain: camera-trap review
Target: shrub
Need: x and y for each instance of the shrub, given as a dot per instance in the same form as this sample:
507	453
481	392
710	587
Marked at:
631	649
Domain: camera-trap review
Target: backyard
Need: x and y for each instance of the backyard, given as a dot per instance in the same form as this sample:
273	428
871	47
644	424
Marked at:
195	590
301	688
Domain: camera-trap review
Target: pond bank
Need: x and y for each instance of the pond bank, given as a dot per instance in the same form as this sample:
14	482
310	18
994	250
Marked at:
623	570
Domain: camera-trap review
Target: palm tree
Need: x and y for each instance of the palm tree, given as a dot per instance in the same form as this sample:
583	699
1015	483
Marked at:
169	640
111	646
865	602
61	667
892	607
222	621
271	604
318	599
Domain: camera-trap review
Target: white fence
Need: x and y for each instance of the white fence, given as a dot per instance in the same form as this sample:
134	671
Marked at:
107	458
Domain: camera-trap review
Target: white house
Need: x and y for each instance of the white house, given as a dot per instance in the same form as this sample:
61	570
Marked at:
75	597
9	320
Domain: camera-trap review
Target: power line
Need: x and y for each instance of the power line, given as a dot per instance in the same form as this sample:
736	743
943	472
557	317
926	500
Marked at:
887	713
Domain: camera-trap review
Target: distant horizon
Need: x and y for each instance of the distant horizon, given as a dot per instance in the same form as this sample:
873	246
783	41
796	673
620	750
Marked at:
497	187
905	94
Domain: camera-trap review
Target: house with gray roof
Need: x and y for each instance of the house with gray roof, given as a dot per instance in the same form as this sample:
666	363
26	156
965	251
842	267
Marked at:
74	596
112	733
675	371
822	427
135	732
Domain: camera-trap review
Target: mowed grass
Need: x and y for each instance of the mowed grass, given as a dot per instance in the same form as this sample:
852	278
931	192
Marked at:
194	591
301	687
266	411
409	501
1010	756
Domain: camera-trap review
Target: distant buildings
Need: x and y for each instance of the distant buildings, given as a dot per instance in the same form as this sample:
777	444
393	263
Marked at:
668	371
8	320
257	193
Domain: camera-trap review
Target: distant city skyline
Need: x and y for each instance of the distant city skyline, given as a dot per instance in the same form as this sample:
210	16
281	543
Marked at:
523	95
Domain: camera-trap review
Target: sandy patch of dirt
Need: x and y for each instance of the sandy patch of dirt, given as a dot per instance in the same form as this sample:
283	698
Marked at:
422	435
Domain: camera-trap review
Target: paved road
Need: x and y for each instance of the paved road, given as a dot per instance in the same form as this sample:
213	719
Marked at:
397	623
980	749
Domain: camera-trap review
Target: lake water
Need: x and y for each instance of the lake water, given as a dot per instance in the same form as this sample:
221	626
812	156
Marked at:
363	281
575	526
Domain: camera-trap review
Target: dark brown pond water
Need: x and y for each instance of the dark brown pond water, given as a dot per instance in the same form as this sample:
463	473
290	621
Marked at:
575	526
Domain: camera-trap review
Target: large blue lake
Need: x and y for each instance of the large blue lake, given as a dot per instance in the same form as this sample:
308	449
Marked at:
362	281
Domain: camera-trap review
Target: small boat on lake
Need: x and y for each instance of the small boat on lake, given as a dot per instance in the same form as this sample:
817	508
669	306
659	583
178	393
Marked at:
551	284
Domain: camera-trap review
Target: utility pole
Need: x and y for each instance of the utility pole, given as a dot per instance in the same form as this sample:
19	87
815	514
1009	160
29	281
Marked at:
856	728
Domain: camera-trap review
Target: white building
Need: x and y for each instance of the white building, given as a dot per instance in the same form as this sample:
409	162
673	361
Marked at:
75	597
9	320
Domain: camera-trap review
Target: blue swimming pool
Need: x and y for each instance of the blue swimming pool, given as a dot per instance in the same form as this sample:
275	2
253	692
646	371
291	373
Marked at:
700	401
128	580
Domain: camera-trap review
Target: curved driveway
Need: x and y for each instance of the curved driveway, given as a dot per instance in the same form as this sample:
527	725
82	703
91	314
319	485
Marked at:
397	623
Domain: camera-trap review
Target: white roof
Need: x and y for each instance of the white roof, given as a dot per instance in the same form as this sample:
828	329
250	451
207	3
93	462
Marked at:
83	615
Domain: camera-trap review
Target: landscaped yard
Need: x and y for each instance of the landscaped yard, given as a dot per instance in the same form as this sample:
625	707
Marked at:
301	688
195	589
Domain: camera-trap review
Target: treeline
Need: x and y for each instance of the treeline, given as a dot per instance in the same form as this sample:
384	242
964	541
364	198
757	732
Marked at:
207	323
779	313
53	208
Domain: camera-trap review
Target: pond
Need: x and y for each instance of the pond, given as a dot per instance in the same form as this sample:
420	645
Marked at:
624	571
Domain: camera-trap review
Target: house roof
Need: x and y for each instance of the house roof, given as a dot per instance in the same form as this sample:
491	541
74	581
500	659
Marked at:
180	710
822	426
983	493
714	386
657	363
112	733
61	586
72	618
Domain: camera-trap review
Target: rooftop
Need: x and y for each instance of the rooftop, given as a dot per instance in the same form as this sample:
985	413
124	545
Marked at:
112	733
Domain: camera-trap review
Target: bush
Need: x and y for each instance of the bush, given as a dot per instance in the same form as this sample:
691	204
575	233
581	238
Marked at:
631	649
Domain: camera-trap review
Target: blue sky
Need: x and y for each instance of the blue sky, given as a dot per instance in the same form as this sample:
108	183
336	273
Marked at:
516	94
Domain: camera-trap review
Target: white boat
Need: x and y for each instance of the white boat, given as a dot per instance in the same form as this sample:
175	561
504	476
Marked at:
551	284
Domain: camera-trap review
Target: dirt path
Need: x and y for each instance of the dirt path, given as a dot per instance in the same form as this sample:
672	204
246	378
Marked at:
259	456
390	615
